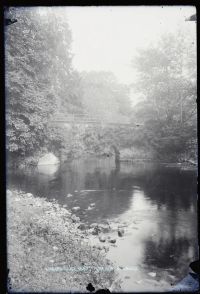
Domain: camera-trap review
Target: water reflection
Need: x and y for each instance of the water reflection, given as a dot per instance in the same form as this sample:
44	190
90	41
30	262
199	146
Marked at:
164	189
158	203
48	169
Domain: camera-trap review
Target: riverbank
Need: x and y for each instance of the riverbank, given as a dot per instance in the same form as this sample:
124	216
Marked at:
47	251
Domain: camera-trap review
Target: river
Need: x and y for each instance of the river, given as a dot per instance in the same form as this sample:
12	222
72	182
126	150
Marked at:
155	203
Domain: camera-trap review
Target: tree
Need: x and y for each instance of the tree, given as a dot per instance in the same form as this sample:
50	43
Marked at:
168	82
104	97
40	80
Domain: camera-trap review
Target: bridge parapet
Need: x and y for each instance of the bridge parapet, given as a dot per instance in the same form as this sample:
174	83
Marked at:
89	119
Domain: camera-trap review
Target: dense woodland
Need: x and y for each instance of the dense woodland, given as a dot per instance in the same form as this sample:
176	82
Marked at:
41	84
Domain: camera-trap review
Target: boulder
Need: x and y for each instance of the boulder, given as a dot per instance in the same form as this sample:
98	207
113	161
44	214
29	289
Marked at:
47	159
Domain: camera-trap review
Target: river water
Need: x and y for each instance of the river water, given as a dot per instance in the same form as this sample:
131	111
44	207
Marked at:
156	204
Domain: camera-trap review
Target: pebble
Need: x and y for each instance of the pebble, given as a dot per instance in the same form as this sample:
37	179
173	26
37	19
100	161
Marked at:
29	194
75	208
152	274
92	204
55	248
69	195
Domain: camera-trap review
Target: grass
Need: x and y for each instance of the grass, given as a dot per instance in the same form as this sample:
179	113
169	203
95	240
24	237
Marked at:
46	251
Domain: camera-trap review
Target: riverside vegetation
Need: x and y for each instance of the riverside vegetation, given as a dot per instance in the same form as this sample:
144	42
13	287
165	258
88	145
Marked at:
42	85
49	251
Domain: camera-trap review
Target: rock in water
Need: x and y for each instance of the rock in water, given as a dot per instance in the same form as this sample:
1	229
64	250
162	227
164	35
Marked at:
126	277
105	228
47	159
75	219
93	225
120	232
75	208
102	238
151	274
69	195
112	241
29	194
82	227
95	231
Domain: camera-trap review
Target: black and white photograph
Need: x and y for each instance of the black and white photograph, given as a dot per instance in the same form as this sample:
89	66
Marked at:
101	148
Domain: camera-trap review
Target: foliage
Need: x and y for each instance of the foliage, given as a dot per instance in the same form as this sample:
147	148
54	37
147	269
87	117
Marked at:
39	77
104	97
41	86
168	83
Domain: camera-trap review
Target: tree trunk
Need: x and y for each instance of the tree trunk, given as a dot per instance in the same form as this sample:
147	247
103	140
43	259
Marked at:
117	155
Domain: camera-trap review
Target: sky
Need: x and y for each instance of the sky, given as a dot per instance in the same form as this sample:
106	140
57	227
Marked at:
108	37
